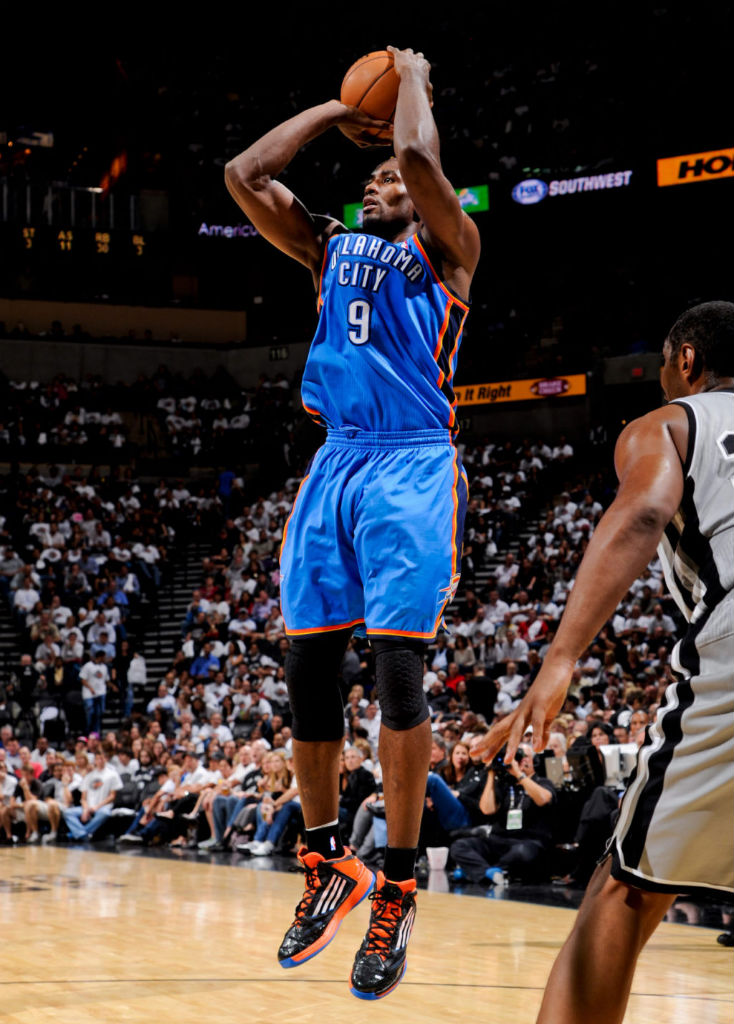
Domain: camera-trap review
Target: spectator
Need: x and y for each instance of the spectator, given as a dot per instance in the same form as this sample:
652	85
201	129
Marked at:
356	783
98	790
94	677
520	805
455	797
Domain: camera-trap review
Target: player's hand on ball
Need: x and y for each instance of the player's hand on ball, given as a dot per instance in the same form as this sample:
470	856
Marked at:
363	130
407	61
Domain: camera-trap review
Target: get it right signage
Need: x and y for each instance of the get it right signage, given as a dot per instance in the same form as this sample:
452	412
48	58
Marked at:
684	170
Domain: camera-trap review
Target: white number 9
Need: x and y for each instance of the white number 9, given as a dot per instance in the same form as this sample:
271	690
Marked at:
358	314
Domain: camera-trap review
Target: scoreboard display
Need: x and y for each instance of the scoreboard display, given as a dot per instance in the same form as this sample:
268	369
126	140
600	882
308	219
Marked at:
85	263
90	242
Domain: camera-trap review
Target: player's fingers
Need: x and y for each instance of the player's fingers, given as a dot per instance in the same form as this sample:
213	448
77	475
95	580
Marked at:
540	730
513	740
546	738
371	122
495	739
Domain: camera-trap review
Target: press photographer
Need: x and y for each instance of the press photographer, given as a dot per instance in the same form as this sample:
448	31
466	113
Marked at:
520	804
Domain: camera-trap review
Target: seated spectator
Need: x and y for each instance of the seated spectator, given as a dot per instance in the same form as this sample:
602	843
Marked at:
438	760
275	811
511	682
98	789
44	806
214	729
204	663
638	722
455	797
513	648
356	783
557	744
226	809
156	796
520	805
163	700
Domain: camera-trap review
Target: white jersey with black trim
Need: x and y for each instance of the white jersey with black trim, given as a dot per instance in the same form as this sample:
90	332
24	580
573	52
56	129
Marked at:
697	547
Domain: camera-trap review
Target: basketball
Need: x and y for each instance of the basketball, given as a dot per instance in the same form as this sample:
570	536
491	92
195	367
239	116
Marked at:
371	85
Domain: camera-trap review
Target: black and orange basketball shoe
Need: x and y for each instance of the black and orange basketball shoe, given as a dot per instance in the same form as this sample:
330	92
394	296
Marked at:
381	959
333	888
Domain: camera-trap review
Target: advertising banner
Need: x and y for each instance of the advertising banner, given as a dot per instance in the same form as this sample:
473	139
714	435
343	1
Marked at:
684	170
533	389
473	199
534	190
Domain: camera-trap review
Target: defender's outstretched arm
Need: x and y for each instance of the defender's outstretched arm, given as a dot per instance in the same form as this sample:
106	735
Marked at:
650	475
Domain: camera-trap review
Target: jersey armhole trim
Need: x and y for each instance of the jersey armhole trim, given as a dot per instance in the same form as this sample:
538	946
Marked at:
692	429
319	298
451	294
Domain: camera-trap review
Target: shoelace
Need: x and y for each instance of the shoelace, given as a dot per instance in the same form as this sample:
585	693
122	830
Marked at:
313	884
385	918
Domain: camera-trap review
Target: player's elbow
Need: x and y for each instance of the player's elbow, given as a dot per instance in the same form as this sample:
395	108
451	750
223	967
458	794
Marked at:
245	172
414	151
639	523
647	518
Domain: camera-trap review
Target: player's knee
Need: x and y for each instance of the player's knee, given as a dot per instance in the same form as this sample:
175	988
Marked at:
399	676
312	676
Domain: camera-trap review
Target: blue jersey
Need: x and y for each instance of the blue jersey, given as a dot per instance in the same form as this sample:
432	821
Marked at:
385	350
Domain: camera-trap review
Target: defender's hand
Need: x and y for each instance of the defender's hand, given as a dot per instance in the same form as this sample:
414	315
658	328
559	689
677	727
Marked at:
539	707
361	129
406	62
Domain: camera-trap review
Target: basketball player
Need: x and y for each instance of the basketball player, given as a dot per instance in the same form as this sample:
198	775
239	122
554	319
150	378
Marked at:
676	824
374	538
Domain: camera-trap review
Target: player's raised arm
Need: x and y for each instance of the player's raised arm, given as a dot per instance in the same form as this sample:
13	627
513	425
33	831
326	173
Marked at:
276	213
416	145
650	490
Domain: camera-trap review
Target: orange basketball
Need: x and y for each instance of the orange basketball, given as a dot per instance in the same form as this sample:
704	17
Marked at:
371	85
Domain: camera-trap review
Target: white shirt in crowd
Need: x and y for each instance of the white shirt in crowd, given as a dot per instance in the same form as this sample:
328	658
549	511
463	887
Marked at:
96	675
99	784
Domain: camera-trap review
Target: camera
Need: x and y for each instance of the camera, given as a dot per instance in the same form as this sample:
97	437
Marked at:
498	765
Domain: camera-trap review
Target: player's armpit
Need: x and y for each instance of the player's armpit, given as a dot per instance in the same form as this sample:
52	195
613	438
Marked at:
447	228
251	179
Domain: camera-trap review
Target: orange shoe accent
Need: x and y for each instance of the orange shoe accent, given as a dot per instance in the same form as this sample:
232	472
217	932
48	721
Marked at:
381	960
333	888
382	927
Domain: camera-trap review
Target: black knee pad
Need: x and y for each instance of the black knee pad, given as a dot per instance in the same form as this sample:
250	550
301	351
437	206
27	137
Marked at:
312	676
399	675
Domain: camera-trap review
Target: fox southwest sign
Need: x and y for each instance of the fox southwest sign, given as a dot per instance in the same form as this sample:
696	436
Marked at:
521	390
683	170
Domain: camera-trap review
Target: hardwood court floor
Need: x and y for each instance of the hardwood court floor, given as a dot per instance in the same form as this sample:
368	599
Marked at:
96	938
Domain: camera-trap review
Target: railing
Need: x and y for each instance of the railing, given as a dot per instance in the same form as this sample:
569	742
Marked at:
67	206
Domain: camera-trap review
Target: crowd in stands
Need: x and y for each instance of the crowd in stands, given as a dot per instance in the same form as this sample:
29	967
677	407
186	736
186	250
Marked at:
206	761
199	419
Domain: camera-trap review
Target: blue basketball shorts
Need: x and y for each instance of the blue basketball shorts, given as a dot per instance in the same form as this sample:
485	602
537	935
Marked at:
374	536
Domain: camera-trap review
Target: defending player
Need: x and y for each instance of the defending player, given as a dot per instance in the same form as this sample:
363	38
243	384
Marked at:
374	537
675	828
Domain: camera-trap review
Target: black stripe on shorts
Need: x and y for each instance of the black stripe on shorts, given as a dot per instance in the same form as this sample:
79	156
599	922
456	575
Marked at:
636	836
